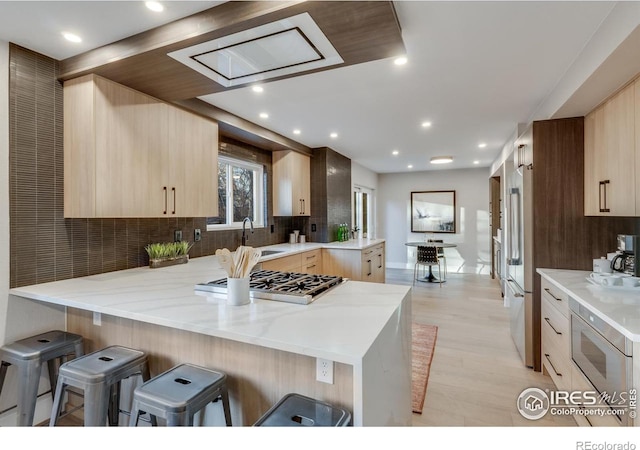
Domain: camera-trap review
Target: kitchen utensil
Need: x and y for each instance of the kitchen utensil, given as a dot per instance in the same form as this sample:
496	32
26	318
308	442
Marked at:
241	255
226	260
254	258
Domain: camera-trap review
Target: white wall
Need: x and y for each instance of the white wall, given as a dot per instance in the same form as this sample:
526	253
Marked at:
473	232
361	176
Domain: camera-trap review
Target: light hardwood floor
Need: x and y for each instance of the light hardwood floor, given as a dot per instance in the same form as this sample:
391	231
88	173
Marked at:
476	373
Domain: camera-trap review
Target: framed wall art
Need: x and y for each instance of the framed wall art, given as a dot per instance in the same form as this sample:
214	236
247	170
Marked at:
433	212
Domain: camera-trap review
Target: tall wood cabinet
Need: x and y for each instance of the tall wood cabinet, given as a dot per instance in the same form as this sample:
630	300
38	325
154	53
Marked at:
127	154
610	156
291	184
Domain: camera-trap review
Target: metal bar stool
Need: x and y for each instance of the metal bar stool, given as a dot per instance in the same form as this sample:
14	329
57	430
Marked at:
295	410
178	394
99	374
28	355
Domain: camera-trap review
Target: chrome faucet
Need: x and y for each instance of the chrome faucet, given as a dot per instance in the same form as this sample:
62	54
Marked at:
244	231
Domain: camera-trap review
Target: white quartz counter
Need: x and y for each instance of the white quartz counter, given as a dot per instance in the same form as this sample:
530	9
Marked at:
341	325
620	309
353	244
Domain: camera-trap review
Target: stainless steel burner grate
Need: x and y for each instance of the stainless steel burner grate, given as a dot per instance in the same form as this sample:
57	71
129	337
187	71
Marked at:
292	287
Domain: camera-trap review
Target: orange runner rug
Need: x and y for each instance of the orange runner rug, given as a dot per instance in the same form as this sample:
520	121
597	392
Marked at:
422	347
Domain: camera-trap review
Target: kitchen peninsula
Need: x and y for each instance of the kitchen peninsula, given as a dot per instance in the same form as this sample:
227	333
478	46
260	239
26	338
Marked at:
267	348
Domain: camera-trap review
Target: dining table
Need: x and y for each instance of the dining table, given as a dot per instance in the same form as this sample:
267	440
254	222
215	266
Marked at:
430	278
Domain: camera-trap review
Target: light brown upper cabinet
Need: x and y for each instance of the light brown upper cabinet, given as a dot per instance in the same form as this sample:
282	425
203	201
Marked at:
127	154
291	184
610	156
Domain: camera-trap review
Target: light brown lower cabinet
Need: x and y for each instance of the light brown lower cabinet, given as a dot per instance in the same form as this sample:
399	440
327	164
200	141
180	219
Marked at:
359	265
306	262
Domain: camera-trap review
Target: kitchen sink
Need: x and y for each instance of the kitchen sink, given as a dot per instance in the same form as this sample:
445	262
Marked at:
270	252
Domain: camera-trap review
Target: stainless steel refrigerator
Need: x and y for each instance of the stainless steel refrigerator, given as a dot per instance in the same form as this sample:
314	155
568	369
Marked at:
519	263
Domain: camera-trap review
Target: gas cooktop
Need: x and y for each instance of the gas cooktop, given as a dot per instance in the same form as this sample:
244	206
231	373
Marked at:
292	287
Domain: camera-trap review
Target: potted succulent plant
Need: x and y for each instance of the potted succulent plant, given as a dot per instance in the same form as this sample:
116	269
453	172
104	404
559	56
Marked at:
168	253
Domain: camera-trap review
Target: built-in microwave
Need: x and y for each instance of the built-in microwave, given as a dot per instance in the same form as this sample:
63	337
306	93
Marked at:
601	352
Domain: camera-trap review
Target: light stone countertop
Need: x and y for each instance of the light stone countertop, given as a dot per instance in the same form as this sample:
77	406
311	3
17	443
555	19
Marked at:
353	244
620	309
340	325
287	249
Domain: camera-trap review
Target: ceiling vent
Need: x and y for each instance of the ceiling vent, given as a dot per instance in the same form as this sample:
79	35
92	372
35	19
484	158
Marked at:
272	50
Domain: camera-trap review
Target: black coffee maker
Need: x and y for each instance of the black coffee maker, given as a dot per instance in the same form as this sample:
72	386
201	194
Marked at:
625	260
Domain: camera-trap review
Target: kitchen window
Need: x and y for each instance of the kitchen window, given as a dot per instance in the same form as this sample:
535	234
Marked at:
241	188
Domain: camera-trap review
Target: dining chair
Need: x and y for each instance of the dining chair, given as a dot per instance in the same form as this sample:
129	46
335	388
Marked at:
427	257
441	255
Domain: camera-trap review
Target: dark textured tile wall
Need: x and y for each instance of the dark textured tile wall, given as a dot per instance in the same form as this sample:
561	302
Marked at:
330	193
47	247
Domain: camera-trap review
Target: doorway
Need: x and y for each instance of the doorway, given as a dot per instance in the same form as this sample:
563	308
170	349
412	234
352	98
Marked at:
363	212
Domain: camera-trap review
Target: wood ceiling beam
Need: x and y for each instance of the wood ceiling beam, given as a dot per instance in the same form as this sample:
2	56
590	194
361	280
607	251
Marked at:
359	31
190	28
242	130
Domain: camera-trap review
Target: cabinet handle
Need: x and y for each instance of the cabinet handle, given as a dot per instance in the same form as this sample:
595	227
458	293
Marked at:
369	261
311	267
380	266
311	257
546	355
300	209
304	206
552	327
165	199
602	195
549	292
174	200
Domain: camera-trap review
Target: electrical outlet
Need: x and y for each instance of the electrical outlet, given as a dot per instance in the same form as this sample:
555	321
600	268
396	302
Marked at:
97	319
313	227
273	228
177	236
197	235
324	370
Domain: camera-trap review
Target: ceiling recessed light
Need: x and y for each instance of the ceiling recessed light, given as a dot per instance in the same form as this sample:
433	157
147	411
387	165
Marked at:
482	145
154	6
264	115
476	162
400	61
71	37
296	131
426	124
395	153
441	159
257	89
333	135
410	166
